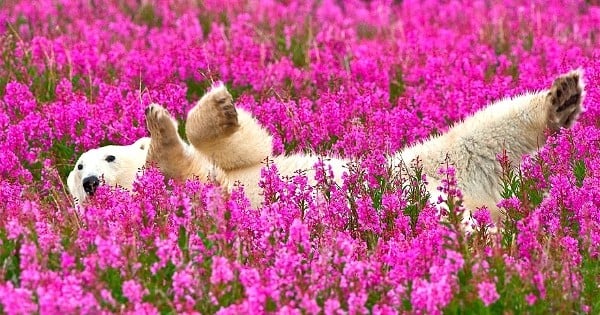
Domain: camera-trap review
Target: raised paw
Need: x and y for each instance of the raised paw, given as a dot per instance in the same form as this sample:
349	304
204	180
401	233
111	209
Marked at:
160	124
222	102
565	98
213	117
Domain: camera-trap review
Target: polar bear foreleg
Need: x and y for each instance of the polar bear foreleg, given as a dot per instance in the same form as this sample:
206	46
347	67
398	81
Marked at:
175	158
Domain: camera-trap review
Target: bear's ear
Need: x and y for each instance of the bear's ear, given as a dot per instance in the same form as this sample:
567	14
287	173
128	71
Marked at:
143	143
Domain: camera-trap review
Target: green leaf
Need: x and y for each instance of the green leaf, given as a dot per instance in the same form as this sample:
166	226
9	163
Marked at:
397	86
579	171
183	241
112	278
10	260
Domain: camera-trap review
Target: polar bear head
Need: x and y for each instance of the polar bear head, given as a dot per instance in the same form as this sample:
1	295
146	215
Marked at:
114	165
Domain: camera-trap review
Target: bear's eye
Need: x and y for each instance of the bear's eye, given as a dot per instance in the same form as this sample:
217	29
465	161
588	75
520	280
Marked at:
110	158
80	167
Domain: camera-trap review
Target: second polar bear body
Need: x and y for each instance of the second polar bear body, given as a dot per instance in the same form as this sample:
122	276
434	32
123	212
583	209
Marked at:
230	146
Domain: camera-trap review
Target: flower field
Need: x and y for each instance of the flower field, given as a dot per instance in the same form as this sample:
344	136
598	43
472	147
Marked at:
357	79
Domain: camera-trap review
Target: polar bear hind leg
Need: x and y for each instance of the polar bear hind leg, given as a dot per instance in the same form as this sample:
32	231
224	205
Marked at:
516	125
521	130
231	138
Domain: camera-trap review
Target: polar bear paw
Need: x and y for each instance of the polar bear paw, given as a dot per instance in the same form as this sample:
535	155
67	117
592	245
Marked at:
160	124
565	98
214	117
222	105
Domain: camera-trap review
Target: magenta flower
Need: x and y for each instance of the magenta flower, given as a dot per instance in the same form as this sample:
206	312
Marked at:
530	299
487	292
221	271
483	218
133	291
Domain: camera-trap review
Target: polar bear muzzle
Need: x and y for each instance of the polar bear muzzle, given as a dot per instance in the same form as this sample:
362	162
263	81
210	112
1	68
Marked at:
90	184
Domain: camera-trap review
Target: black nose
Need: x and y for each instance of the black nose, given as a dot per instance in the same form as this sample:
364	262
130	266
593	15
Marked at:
90	184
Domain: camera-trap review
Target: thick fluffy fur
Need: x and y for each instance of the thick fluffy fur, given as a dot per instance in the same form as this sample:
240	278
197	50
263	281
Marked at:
229	146
518	125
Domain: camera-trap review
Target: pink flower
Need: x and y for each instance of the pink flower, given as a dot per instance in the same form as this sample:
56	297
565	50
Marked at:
332	306
16	300
530	298
133	291
431	297
221	271
66	261
487	292
483	218
183	282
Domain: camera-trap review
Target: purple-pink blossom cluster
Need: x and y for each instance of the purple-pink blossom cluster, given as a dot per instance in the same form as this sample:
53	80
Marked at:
352	78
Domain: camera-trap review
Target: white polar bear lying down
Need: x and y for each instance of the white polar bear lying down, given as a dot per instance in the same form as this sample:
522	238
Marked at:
228	145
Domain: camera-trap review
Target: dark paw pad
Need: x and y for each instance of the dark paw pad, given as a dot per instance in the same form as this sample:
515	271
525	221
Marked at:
565	97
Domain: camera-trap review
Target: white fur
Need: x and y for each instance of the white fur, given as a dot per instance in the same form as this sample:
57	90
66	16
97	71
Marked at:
129	161
230	145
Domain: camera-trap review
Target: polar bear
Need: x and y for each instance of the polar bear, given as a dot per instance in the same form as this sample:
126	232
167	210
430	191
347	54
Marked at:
228	145
115	164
